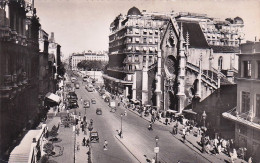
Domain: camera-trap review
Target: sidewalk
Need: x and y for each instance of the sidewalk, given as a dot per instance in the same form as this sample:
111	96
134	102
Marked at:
191	141
81	154
65	141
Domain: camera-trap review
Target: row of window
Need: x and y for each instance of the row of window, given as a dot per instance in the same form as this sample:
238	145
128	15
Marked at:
142	40
144	22
143	31
145	49
245	103
135	58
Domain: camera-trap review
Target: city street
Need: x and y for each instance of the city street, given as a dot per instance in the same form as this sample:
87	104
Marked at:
136	137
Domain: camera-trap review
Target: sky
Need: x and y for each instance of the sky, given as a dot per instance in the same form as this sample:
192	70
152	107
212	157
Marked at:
82	25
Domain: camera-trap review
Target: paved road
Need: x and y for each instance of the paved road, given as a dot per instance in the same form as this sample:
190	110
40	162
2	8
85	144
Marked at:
171	150
105	125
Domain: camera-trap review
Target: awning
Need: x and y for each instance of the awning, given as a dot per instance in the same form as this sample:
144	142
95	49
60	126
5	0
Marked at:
150	31
150	40
129	48
151	49
189	111
137	48
53	98
145	30
135	101
137	39
144	48
21	153
171	111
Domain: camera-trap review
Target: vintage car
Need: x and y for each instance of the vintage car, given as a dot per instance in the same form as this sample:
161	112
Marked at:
99	111
86	103
93	101
94	136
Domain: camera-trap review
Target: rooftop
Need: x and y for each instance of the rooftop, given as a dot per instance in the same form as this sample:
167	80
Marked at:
196	36
224	49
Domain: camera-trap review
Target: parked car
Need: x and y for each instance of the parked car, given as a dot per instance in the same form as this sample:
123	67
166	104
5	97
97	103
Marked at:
76	85
73	104
93	101
72	95
94	136
99	111
85	78
86	103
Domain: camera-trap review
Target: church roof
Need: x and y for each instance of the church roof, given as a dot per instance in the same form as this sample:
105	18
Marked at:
225	49
196	36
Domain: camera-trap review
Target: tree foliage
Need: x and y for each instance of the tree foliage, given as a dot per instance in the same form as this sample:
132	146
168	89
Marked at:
61	69
92	65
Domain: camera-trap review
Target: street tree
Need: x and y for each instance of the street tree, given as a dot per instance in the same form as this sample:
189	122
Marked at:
92	65
53	133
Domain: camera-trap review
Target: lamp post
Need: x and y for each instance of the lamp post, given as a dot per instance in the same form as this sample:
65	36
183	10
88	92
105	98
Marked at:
121	134
156	149
204	115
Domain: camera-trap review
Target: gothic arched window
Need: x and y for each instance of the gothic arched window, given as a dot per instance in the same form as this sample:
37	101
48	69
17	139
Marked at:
220	62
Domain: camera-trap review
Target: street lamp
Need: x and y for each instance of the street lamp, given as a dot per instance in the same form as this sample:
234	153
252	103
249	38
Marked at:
204	115
121	131
156	149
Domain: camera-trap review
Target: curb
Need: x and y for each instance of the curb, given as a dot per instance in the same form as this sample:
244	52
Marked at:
127	148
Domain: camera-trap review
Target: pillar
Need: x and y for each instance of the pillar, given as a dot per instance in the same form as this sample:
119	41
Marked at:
198	93
145	83
134	87
158	77
126	91
181	76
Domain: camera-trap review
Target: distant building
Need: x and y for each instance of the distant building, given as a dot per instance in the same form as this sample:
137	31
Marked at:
223	38
91	56
217	33
247	113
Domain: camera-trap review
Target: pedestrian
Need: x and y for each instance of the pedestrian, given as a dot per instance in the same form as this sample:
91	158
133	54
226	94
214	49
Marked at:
184	134
78	146
105	145
84	118
87	143
250	160
84	141
166	121
176	128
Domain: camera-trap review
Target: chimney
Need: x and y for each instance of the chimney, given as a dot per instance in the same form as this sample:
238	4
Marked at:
52	37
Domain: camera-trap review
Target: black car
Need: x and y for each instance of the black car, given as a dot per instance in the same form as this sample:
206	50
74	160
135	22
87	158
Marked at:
73	103
72	95
94	136
99	111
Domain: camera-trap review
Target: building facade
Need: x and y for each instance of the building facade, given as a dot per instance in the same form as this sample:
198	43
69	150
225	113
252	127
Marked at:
89	56
223	36
19	69
23	72
246	115
133	46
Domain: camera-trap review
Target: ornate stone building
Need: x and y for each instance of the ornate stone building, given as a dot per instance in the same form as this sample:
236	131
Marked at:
23	70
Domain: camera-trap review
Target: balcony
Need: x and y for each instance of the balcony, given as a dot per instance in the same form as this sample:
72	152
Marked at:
244	118
4	32
6	88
